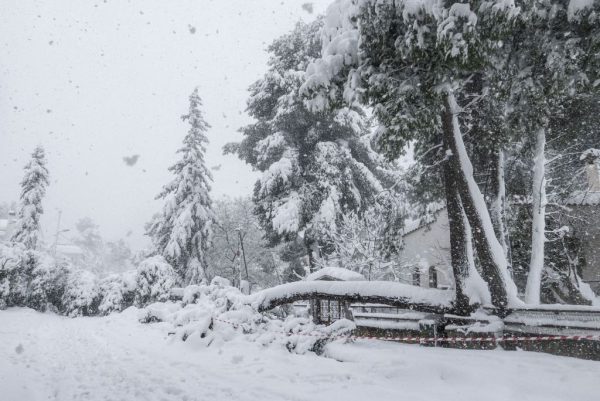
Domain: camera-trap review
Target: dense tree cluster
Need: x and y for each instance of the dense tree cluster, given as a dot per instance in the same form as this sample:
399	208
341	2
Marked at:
494	103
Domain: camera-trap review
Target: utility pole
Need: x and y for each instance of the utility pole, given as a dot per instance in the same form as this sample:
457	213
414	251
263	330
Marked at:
57	234
244	255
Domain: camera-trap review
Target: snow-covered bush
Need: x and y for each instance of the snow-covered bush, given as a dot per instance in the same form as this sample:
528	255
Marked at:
15	265
81	296
47	282
217	313
154	280
117	292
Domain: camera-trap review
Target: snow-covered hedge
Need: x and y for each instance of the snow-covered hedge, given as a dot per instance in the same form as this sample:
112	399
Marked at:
13	287
217	313
39	281
47	284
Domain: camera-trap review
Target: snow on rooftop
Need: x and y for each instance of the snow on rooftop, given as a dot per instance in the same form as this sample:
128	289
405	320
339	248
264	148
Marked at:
3	224
586	198
591	154
338	273
68	249
430	217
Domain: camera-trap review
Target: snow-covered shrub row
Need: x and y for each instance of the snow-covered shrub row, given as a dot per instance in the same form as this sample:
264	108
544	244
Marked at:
39	281
216	313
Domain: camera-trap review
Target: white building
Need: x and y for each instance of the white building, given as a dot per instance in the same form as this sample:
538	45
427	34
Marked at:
427	251
7	226
427	243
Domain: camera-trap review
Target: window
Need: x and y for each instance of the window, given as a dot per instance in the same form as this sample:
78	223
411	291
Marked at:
416	277
433	277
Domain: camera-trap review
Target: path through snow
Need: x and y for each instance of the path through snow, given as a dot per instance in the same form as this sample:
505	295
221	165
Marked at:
46	357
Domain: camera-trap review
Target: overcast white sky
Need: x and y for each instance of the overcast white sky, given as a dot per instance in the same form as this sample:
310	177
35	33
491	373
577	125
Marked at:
95	81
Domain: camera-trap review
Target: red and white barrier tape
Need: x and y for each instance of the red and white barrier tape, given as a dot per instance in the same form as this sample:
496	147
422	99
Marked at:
452	340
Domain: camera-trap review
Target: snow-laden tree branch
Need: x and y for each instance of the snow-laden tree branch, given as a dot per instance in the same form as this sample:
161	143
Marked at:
381	292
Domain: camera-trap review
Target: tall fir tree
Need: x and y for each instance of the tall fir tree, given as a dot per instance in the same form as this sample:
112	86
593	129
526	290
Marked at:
182	232
314	166
33	189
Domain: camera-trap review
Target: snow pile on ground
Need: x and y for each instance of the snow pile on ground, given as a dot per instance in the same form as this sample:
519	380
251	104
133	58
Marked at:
48	357
217	313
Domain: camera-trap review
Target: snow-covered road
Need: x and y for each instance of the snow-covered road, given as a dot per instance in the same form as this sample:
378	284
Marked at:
46	357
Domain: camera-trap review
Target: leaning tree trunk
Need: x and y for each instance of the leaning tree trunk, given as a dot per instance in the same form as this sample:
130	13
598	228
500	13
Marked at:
538	237
489	251
458	250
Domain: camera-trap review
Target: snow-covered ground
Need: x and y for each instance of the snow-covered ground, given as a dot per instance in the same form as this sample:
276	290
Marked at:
47	357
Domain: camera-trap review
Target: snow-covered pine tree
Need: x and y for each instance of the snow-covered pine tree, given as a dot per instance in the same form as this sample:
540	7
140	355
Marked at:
314	166
182	232
33	189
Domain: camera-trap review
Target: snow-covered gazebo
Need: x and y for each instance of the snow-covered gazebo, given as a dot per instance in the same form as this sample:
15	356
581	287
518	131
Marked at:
327	311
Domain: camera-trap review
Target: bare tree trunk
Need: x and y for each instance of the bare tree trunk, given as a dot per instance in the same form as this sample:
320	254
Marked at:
498	203
489	251
538	236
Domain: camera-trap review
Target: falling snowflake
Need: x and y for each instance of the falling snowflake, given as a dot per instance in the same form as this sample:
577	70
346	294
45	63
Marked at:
131	160
308	7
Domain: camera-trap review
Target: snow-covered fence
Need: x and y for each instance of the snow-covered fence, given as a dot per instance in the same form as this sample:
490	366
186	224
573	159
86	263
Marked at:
554	319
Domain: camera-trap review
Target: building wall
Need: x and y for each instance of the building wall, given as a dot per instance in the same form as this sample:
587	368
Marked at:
429	246
586	222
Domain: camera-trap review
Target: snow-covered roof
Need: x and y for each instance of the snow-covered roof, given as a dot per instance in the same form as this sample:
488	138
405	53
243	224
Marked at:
3	224
584	198
413	225
590	154
69	249
335	273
